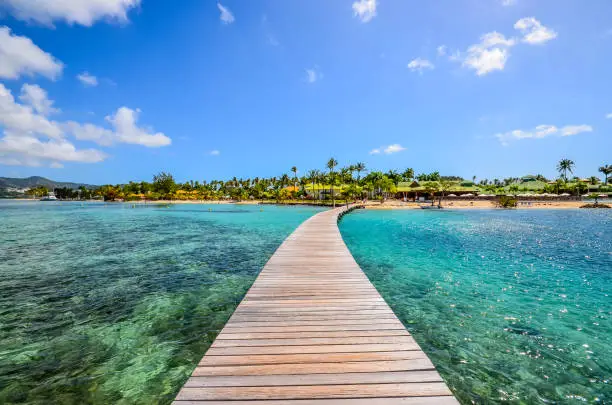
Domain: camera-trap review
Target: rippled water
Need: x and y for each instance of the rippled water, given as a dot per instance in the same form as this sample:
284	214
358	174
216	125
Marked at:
109	304
511	306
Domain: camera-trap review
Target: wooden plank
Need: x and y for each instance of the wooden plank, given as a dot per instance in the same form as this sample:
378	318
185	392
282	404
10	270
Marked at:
313	330
437	400
314	379
315	391
312	334
316	368
308	358
302	341
235	351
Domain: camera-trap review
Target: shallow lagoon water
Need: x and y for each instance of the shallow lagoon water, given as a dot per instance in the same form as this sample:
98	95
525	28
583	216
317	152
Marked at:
108	304
511	306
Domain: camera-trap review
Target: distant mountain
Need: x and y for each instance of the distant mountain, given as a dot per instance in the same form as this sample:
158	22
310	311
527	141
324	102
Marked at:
34	181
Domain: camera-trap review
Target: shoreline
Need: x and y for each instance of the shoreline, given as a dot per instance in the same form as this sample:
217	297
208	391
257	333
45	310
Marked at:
371	205
476	204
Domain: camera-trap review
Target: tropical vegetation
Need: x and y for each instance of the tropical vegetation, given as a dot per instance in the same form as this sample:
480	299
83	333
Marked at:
339	184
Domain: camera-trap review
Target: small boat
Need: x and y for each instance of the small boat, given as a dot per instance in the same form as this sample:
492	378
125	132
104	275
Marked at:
431	207
49	197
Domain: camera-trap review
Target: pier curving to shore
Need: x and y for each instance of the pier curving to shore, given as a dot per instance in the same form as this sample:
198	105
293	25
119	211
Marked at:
313	330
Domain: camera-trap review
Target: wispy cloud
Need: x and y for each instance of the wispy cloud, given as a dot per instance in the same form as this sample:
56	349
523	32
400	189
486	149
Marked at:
534	32
365	10
388	150
313	75
226	15
609	116
87	79
442	50
508	3
542	131
419	65
36	97
214	152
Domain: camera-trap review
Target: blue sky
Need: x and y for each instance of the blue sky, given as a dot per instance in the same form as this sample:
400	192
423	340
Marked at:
106	91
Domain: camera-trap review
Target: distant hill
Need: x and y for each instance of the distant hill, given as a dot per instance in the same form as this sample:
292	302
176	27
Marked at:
34	181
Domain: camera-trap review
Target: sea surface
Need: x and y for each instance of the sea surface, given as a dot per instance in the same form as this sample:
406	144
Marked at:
511	306
109	304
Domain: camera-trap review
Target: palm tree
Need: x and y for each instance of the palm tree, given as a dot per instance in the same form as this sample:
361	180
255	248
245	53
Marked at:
331	165
564	166
294	170
606	170
360	167
313	175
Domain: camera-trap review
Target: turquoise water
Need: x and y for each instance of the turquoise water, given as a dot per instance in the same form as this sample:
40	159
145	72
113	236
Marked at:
511	306
108	304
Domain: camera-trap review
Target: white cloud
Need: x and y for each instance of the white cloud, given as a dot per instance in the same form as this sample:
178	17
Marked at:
18	118
83	12
442	49
31	151
609	116
29	138
87	79
493	50
393	148
542	131
533	31
36	97
56	165
365	10
575	129
124	130
20	56
314	74
226	15
490	54
214	152
419	65
508	3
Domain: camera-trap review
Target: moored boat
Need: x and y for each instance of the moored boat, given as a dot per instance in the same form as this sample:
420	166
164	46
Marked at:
49	197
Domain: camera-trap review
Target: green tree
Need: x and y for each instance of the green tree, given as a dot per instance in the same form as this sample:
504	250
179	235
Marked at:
331	165
445	187
294	170
431	188
564	166
606	170
408	174
38	191
164	184
360	167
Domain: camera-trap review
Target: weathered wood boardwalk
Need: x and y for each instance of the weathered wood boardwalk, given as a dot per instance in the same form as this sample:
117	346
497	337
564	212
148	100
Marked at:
313	330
